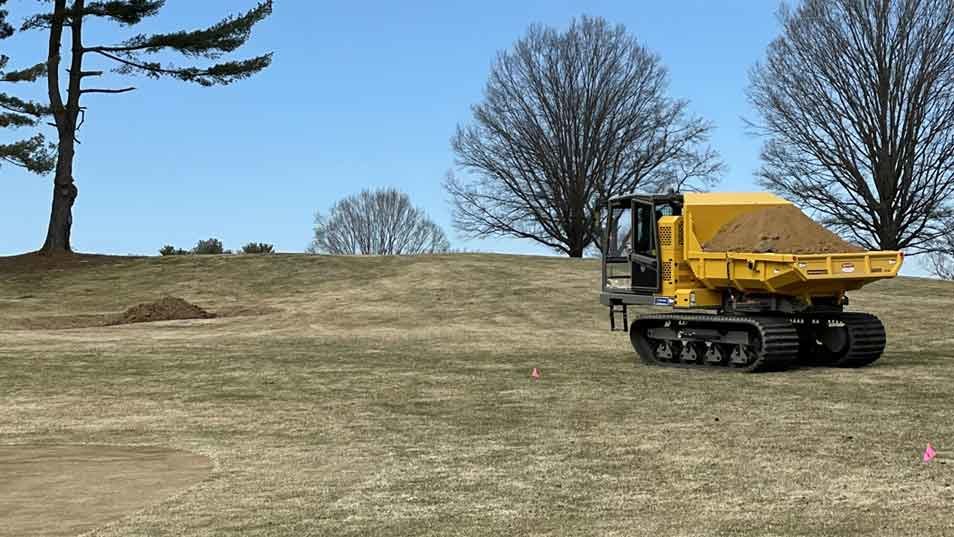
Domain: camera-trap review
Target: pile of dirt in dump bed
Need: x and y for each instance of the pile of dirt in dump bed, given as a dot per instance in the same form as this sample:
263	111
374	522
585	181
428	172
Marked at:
782	229
166	309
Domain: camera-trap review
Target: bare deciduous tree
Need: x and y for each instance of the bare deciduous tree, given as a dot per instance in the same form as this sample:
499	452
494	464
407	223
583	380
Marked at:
377	222
568	120
857	100
941	258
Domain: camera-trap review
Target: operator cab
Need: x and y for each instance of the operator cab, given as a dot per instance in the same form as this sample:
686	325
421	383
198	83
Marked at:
631	257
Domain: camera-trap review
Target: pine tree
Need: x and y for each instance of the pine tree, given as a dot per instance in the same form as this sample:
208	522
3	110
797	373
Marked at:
31	153
135	55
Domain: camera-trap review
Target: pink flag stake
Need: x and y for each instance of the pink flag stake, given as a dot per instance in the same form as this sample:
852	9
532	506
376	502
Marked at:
535	375
929	453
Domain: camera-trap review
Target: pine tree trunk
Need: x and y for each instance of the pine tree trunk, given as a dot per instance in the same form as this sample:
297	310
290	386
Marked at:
65	114
64	195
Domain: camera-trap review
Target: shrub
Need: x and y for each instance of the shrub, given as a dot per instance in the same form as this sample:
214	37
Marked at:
209	247
258	248
172	250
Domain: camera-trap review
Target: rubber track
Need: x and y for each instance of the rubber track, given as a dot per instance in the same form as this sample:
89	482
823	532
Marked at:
866	339
778	335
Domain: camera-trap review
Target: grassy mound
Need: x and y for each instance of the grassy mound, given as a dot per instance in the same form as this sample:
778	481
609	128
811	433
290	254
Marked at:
392	396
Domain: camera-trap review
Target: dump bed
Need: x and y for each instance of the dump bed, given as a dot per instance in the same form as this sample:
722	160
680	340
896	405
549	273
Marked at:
794	275
777	273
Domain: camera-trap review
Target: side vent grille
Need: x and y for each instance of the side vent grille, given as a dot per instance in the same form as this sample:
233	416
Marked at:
667	271
665	236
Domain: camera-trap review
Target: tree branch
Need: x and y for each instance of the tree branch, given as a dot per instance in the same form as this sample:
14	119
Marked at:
98	90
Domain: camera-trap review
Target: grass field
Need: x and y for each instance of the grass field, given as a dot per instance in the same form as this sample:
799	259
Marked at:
383	396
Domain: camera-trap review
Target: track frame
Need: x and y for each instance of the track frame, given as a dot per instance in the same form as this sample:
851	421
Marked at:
754	343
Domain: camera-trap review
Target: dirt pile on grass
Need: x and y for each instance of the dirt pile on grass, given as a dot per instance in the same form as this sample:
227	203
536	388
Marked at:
782	229
165	309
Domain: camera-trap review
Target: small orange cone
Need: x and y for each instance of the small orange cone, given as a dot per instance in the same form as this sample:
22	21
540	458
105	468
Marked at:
929	453
535	375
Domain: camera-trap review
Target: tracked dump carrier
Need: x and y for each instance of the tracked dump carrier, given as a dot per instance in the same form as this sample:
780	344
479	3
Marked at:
741	310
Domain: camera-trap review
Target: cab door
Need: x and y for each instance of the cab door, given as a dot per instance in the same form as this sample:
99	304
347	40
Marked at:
644	256
617	267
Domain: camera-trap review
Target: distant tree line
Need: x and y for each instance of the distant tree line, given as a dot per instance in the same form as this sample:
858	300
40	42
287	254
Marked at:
214	246
854	99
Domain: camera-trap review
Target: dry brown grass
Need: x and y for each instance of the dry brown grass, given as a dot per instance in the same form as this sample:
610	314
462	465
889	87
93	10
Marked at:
381	396
71	489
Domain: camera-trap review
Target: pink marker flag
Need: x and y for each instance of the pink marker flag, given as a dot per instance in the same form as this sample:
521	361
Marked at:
929	453
535	374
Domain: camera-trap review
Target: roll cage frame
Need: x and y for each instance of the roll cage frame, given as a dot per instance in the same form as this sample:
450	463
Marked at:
642	254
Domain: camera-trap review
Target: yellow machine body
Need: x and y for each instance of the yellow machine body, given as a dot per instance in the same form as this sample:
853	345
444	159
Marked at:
694	278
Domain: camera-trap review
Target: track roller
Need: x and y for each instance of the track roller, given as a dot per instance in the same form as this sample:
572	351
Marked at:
754	343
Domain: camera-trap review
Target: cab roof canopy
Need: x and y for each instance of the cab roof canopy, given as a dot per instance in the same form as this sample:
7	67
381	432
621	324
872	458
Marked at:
704	198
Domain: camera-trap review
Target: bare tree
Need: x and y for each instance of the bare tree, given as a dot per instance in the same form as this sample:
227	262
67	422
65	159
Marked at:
941	258
377	222
856	98
569	119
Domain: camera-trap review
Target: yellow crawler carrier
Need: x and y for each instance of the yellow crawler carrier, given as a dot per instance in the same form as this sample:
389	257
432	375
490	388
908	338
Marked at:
743	310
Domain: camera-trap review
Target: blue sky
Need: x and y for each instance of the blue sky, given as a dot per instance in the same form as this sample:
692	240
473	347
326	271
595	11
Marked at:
361	94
